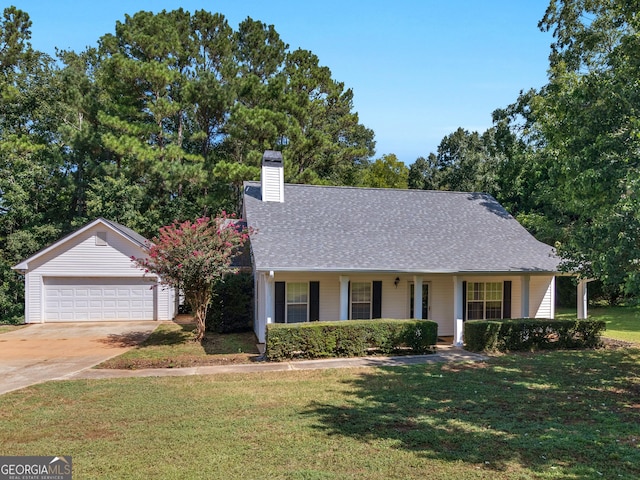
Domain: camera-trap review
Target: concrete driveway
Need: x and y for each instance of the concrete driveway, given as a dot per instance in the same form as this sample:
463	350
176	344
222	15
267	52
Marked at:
49	351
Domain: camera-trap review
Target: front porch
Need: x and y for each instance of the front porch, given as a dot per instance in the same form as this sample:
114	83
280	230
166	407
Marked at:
449	300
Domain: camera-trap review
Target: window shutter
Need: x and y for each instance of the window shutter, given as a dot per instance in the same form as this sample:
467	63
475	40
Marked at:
464	301
506	300
376	308
314	301
280	302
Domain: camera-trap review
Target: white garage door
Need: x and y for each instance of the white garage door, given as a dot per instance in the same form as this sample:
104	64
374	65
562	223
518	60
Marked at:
95	299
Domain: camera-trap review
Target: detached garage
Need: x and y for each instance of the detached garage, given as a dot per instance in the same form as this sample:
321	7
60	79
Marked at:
89	276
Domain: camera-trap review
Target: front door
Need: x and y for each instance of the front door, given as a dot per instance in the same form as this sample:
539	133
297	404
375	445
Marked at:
425	300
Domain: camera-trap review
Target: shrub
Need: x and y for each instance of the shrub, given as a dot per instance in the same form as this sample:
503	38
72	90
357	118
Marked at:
231	308
17	319
529	334
353	338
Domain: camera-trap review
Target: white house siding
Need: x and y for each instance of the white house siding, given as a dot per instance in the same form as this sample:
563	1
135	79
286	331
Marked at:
81	257
167	303
395	300
542	293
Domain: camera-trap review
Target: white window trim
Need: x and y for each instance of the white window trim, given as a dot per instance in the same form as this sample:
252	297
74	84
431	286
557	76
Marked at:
484	300
370	302
287	302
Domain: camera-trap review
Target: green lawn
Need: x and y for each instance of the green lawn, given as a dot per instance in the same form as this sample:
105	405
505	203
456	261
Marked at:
623	323
10	328
564	415
171	345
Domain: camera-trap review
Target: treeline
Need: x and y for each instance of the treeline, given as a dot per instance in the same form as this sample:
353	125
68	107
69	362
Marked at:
165	118
565	159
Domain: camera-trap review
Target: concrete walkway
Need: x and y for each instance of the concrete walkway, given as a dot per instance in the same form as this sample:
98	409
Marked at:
444	354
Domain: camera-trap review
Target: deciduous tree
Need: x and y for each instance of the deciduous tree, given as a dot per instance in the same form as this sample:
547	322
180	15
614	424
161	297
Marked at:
588	116
386	172
193	257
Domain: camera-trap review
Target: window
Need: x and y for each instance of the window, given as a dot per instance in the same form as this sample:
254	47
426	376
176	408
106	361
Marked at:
360	300
297	302
425	301
101	238
484	300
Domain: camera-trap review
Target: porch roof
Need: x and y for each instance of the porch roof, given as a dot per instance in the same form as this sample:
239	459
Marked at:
320	228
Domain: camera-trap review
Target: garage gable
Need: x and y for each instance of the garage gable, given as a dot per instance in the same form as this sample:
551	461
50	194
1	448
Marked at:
89	275
99	246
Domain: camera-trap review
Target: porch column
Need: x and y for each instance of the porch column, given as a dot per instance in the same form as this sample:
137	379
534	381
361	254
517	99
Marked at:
344	297
582	299
269	297
525	280
417	297
553	297
458	305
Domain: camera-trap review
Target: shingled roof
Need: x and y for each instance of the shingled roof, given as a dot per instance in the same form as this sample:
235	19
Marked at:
342	229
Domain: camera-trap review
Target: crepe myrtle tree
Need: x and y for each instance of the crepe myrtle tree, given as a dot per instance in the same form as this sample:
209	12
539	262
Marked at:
194	257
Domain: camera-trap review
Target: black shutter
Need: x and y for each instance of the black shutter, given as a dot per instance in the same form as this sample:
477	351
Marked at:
506	300
376	308
314	301
464	301
280	302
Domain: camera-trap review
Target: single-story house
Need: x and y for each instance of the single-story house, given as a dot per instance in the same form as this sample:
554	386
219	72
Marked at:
338	253
89	276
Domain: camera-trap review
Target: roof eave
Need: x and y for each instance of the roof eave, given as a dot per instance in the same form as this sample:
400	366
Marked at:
410	271
23	266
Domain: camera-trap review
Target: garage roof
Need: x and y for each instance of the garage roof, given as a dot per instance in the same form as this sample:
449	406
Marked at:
121	230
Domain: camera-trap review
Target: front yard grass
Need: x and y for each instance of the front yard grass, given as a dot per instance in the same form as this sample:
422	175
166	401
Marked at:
552	415
10	328
623	323
171	345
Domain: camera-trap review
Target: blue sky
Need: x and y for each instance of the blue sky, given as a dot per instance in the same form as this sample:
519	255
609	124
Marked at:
419	69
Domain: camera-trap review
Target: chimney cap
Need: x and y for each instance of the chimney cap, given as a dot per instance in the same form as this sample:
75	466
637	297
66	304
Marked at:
272	158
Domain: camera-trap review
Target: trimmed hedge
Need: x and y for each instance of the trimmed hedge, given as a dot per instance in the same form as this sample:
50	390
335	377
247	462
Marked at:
529	334
352	338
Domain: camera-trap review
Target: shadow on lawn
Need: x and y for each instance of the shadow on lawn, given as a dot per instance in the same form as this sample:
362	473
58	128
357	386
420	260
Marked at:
231	343
157	337
577	413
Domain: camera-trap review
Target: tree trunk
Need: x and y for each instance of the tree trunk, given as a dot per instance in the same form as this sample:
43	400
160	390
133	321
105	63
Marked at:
201	317
199	302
